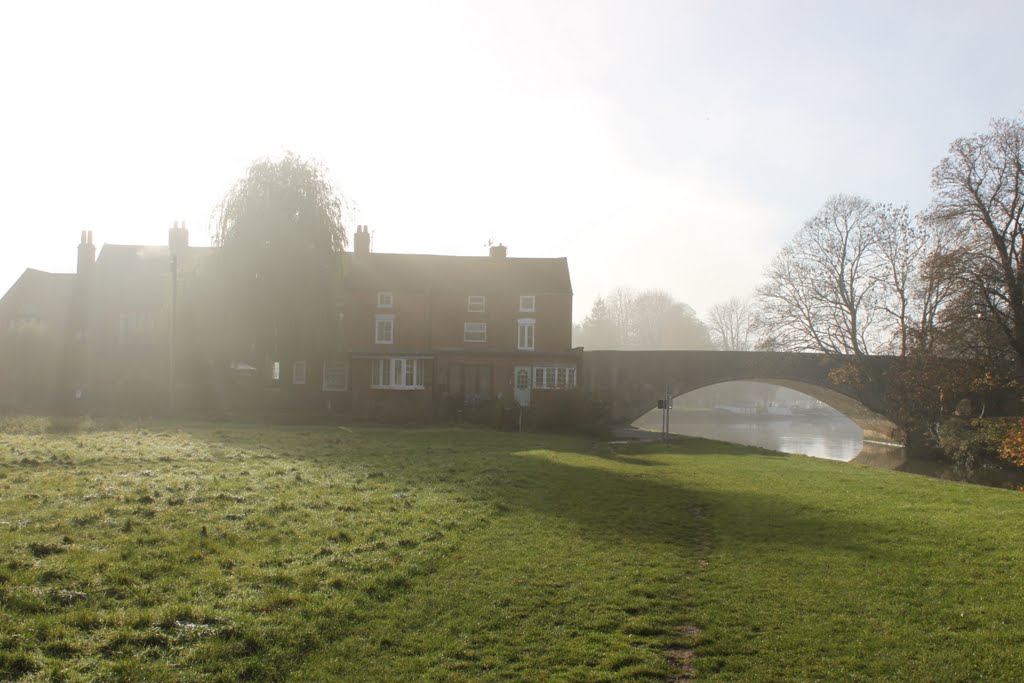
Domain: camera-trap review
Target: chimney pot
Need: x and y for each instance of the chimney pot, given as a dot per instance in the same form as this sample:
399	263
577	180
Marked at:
86	254
361	240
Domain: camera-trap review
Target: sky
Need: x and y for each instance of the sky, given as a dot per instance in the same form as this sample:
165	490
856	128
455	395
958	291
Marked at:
672	145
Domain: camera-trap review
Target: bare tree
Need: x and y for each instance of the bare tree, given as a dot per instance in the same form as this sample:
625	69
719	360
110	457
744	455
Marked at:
819	292
731	324
649	320
662	323
898	245
979	190
935	288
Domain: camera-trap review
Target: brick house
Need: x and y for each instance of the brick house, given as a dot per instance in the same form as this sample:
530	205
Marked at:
424	336
101	326
430	334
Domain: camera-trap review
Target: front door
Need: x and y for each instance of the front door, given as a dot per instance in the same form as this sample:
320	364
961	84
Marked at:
522	380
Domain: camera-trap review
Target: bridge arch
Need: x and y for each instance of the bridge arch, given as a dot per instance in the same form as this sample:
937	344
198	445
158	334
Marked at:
630	383
876	427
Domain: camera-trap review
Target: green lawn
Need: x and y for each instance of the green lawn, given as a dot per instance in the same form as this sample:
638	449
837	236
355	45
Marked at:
165	553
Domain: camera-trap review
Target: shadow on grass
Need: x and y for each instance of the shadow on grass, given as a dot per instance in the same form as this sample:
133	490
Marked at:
618	499
67	425
689	445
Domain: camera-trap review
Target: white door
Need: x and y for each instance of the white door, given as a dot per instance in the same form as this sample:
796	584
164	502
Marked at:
522	379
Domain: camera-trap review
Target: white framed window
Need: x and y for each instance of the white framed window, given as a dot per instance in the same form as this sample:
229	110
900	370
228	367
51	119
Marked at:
299	372
397	373
476	304
527	329
335	376
474	332
384	329
557	377
385	300
527	303
275	370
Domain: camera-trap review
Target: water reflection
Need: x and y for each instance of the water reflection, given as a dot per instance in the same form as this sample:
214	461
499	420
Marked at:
833	437
758	414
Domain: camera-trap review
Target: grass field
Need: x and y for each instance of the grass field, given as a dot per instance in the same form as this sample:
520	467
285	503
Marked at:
217	553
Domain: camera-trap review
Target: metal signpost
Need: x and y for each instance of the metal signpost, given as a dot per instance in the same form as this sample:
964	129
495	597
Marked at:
665	405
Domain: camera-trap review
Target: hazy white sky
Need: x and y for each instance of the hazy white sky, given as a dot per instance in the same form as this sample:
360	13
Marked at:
674	145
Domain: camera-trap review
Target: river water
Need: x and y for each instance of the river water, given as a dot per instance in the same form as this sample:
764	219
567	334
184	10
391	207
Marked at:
780	419
832	437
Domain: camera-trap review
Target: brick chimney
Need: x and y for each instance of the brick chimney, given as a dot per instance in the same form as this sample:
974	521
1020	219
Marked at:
361	240
499	251
177	240
86	254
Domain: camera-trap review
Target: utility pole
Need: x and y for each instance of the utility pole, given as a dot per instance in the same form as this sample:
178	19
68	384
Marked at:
170	330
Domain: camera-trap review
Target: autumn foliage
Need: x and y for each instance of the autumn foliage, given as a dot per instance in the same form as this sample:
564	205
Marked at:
1012	447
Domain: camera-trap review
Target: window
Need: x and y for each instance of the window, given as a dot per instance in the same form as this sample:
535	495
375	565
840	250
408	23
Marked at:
385	300
526	334
384	332
474	332
397	373
527	303
477	304
132	325
335	376
299	372
275	371
554	377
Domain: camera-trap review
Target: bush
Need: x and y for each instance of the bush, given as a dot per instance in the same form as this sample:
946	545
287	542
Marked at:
1012	447
568	410
969	443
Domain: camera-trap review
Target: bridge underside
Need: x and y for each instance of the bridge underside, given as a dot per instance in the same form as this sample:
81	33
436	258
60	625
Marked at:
629	383
876	427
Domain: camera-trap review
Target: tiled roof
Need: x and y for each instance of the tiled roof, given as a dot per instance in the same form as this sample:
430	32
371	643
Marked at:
39	294
137	275
416	272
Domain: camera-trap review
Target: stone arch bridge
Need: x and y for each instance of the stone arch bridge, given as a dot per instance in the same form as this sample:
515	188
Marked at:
631	382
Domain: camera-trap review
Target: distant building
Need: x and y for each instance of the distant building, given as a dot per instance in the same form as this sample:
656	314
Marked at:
423	336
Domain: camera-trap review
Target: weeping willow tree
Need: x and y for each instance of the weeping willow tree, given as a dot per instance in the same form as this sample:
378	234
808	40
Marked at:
279	232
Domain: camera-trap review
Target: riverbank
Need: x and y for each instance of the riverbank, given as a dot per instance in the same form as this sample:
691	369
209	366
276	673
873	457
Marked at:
166	552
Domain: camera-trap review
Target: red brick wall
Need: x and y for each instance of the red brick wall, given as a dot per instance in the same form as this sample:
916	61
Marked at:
424	323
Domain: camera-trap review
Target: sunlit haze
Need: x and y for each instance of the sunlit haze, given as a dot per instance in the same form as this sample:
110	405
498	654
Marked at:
671	145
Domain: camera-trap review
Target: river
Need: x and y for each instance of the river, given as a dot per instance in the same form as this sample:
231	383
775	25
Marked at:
780	419
832	437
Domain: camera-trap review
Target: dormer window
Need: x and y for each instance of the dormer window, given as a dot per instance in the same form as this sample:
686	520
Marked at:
477	304
384	300
527	303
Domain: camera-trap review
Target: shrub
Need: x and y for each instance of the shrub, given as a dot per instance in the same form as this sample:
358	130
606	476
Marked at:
1012	447
968	443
